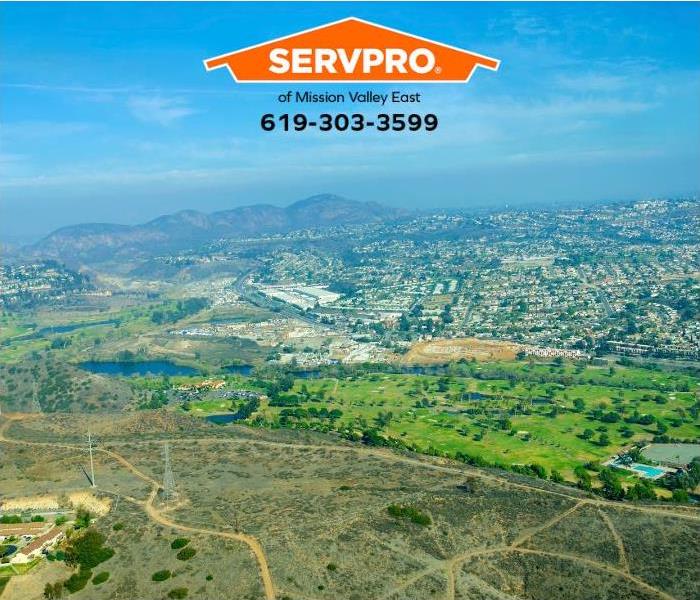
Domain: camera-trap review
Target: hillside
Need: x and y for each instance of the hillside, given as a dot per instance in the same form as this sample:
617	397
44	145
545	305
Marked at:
297	515
94	242
47	385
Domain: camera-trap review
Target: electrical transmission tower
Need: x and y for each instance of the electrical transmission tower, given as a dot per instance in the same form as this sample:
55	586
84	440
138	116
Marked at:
90	446
36	405
168	479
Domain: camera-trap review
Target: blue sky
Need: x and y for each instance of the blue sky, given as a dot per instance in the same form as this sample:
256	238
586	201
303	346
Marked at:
106	113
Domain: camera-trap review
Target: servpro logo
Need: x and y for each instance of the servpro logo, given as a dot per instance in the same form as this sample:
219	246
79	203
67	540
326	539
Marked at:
351	50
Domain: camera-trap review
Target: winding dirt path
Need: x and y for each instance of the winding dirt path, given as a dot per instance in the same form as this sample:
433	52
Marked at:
448	566
624	563
391	456
528	533
157	516
252	542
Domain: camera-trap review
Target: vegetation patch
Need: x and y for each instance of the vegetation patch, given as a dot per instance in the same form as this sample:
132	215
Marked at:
88	550
100	578
178	593
77	581
178	543
409	513
161	575
186	553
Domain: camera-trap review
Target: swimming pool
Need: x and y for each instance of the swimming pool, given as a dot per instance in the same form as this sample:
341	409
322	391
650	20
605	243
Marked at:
647	470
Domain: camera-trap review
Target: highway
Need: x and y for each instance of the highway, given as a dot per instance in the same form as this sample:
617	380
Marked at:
256	298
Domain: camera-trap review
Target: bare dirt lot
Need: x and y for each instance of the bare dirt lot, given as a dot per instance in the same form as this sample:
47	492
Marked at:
441	351
295	515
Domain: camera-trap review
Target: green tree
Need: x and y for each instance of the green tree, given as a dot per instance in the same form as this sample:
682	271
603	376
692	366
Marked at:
82	518
87	550
612	489
53	591
583	478
556	476
680	496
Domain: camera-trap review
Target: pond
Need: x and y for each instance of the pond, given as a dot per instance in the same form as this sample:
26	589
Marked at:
307	374
128	369
221	419
476	396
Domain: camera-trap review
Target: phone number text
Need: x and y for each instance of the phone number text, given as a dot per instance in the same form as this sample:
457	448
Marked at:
349	122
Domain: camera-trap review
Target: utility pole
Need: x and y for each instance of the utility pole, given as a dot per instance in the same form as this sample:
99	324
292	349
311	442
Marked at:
92	464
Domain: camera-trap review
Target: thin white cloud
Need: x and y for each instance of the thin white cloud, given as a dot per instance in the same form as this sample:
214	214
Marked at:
109	91
158	109
530	25
41	129
594	82
591	155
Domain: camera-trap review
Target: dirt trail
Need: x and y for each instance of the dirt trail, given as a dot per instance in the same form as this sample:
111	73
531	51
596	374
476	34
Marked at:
600	566
391	456
449	565
528	533
157	516
624	563
486	589
252	543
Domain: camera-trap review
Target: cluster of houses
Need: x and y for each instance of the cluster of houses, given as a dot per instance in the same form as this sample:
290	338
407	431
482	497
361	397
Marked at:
554	352
38	538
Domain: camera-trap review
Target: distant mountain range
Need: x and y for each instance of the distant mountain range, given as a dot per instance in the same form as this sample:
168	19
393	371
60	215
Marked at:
94	242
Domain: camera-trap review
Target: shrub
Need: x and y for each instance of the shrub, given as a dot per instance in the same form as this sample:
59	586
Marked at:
60	519
118	526
161	575
410	513
10	519
178	593
178	543
332	567
186	553
37	519
82	518
680	496
209	577
100	578
556	476
51	592
77	581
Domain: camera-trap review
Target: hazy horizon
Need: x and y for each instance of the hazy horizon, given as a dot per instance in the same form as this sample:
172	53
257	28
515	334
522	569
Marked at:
108	115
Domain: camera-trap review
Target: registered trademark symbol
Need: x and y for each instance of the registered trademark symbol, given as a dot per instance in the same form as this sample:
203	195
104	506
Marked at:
438	69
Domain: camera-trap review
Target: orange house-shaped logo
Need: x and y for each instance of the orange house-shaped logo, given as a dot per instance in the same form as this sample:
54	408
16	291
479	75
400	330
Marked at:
351	50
